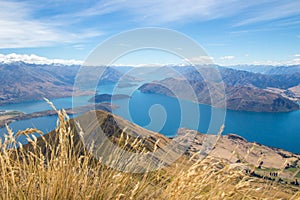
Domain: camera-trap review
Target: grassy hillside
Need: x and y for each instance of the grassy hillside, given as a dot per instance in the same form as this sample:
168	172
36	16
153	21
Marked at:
57	166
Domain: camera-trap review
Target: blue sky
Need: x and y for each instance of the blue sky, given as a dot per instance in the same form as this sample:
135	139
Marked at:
230	31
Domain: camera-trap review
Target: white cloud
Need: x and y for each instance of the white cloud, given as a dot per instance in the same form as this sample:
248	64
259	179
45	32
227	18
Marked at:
274	10
161	12
200	60
227	57
295	61
156	12
34	59
19	28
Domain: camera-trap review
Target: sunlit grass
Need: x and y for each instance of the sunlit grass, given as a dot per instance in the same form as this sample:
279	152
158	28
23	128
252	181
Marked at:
62	169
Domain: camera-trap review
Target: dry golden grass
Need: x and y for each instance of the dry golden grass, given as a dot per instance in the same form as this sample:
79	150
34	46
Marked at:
63	172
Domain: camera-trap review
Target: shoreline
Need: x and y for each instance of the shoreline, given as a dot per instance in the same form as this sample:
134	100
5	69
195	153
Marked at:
70	111
67	95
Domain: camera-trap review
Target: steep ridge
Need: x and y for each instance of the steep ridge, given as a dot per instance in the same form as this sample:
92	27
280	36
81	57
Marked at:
260	160
107	135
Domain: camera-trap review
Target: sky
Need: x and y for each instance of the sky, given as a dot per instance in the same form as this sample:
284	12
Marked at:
230	31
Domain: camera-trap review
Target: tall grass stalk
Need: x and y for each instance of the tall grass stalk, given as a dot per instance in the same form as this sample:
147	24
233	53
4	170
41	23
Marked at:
60	169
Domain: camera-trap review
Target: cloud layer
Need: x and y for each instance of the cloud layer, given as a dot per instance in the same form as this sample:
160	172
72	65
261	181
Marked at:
227	58
21	27
34	59
32	24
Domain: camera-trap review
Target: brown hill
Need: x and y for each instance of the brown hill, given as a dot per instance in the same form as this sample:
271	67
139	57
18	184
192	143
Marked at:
238	97
110	132
261	160
233	174
25	82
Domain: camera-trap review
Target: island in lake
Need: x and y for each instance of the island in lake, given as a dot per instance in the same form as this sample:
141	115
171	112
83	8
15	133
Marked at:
107	97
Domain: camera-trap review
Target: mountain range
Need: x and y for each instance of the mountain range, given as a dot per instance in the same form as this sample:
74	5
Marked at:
268	69
243	90
275	91
25	82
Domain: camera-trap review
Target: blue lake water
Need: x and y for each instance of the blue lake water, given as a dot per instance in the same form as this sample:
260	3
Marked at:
165	115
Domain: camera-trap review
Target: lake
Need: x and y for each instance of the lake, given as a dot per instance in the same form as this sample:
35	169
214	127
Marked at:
166	114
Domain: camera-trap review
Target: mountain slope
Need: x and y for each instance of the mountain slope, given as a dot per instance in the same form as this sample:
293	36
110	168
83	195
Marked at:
257	160
61	171
238	77
243	90
24	82
244	98
267	69
284	70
